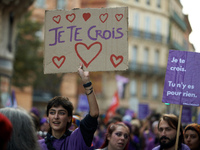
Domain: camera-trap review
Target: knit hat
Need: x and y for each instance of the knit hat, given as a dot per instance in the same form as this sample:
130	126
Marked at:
43	120
194	126
5	128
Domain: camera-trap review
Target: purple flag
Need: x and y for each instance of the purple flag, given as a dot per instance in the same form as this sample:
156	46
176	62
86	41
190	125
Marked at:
121	82
12	102
182	82
143	111
83	105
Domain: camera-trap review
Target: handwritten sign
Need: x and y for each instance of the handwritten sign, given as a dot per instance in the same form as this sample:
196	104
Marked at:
182	82
95	37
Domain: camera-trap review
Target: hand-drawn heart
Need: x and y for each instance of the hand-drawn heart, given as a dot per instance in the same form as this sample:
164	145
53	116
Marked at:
71	17
103	17
112	57
57	61
86	16
119	17
57	19
88	48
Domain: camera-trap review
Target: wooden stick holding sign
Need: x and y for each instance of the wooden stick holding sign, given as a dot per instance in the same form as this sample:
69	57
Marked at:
96	37
182	82
178	128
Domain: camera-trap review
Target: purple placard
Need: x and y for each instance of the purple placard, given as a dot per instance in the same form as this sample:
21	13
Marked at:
83	105
182	82
143	111
129	112
186	114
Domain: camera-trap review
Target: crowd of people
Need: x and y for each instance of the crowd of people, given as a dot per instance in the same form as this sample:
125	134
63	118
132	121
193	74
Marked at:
61	130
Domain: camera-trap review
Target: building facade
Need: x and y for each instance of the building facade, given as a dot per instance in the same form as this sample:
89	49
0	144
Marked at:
155	27
10	13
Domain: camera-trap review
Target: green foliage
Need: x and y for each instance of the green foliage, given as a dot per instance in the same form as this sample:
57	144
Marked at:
27	61
28	64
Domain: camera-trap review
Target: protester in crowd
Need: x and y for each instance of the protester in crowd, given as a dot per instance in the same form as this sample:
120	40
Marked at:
23	136
100	132
192	136
155	142
135	140
59	114
5	131
146	131
167	128
44	127
117	137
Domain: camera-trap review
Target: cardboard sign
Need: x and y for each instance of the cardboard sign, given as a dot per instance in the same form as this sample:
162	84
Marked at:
96	37
182	82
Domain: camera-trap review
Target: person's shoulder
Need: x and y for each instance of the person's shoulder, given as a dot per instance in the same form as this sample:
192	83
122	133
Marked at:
156	148
41	141
184	147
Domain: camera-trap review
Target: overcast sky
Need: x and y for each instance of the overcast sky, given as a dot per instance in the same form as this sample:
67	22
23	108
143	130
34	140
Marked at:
192	8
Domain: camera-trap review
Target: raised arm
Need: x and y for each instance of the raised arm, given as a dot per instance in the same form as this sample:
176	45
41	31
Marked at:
89	91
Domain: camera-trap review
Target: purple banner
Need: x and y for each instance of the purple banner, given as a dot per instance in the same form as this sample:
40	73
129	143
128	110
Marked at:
182	82
143	111
83	105
186	114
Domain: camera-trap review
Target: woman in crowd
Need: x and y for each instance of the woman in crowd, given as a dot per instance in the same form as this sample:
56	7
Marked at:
117	137
59	115
23	135
192	136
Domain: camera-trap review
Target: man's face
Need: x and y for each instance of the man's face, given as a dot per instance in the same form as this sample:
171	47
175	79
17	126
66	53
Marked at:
167	135
58	119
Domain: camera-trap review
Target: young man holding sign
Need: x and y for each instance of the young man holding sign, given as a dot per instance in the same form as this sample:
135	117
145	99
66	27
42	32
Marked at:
167	128
59	113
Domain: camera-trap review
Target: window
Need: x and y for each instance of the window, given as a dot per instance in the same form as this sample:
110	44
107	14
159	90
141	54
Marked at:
144	88
156	58
61	4
158	3
134	53
145	61
155	90
133	64
133	87
158	30
136	25
147	28
148	2
40	3
146	55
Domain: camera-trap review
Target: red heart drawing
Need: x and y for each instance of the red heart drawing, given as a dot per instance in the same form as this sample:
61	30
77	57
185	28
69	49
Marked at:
57	61
71	17
57	19
103	17
116	58
119	16
88	48
86	16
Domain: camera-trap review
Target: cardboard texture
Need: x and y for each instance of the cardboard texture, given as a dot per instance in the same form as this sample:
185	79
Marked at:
96	37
